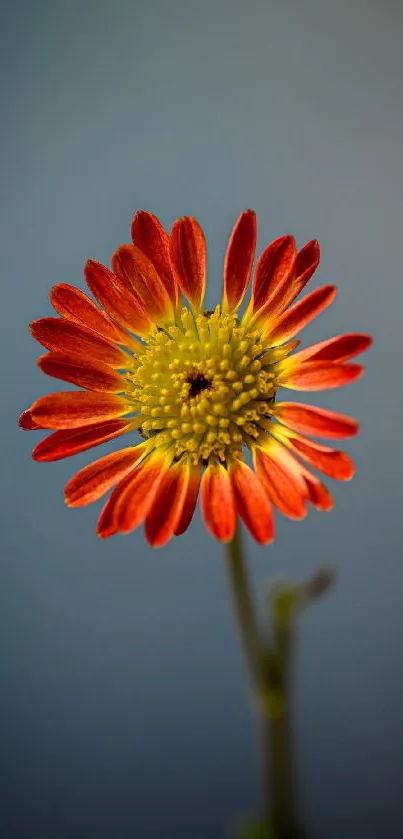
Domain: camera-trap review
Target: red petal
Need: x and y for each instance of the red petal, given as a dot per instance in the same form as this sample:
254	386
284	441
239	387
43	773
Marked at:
94	480
87	374
318	375
274	270
306	264
73	409
189	504
60	335
188	258
239	260
149	235
336	464
106	525
294	319
27	422
337	349
252	502
218	503
132	499
284	487
305	483
316	421
166	509
116	298
318	494
66	443
73	304
129	263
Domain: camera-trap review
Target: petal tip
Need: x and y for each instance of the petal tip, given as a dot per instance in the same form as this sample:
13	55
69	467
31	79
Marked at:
92	265
26	421
105	534
367	342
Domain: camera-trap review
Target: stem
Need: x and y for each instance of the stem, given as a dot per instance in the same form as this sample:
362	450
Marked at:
277	734
269	670
243	602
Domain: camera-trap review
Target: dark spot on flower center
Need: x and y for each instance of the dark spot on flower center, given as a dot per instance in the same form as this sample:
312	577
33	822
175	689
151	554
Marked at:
197	383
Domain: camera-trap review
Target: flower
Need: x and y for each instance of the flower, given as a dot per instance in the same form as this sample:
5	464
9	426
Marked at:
199	387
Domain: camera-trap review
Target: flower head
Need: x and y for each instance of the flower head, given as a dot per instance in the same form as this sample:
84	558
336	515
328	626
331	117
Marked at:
199	387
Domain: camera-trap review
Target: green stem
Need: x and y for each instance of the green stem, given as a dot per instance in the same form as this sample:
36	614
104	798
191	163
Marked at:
277	752
243	602
269	670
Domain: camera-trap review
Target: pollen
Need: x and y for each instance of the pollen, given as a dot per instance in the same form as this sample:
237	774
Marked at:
204	386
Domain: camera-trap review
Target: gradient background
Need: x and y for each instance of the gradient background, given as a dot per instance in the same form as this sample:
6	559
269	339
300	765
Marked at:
124	710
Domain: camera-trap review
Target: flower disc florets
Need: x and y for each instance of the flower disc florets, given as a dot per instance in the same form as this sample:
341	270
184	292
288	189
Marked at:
203	385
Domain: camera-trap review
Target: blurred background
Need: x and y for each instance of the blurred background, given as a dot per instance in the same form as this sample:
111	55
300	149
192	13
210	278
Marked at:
123	704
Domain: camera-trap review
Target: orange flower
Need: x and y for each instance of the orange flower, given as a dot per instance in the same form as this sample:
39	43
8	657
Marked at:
199	387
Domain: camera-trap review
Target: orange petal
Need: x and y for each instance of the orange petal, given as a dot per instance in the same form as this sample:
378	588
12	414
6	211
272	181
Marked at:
218	503
149	235
87	374
284	486
187	247
316	421
336	464
308	485
63	336
292	320
337	349
73	409
73	304
132	499
239	260
318	494
189	504
306	264
106	525
318	375
252	502
94	480
66	443
274	269
27	422
166	509
131	264
116	297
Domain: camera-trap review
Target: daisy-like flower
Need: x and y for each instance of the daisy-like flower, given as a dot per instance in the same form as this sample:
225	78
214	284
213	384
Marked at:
199	387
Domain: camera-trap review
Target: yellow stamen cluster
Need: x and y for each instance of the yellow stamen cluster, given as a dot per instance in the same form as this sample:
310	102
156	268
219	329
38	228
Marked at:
203	385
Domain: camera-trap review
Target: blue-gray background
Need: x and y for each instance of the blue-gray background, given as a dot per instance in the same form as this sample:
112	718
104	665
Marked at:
124	710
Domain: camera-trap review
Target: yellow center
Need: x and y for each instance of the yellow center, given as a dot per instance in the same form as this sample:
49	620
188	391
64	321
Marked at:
204	386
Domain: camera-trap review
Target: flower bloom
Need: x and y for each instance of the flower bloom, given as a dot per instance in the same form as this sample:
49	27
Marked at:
199	387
